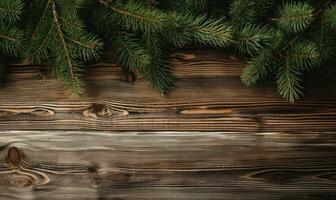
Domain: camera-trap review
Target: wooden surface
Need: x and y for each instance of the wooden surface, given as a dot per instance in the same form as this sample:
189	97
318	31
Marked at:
209	97
209	139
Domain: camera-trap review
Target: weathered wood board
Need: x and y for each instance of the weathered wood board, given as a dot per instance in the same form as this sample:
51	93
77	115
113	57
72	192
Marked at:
167	165
209	97
211	138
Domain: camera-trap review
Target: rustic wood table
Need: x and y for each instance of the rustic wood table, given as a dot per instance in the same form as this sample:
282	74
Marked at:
211	138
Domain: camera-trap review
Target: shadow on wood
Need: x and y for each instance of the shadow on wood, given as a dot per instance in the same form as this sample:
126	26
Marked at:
209	97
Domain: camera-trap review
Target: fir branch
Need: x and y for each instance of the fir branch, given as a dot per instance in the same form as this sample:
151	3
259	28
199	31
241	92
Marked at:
158	76
130	14
130	53
316	15
10	11
252	39
295	17
38	40
242	12
157	72
6	37
304	55
212	32
136	17
11	40
289	82
58	38
257	68
43	15
72	70
181	30
329	17
92	46
40	47
196	6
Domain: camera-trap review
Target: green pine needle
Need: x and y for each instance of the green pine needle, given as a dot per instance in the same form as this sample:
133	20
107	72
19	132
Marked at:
10	11
196	6
11	40
180	33
130	53
65	65
11	37
157	73
257	69
295	16
242	12
329	17
136	17
253	38
304	55
57	36
289	82
212	32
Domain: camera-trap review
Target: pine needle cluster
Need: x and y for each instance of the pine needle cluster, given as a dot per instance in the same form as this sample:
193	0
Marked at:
282	39
140	32
11	37
292	38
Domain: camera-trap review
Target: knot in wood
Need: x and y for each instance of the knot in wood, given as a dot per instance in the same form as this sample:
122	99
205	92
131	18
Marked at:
183	56
101	110
14	157
22	181
42	112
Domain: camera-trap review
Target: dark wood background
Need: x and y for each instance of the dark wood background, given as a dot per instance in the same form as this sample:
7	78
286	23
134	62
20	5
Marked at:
211	138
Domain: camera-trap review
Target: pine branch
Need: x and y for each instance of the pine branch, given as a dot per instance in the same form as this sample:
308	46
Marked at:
187	28
252	39
41	18
257	69
242	12
40	31
289	82
69	70
10	41
316	15
295	17
196	6
212	32
304	55
136	17
130	53
180	33
157	73
57	36
10	11
329	17
6	37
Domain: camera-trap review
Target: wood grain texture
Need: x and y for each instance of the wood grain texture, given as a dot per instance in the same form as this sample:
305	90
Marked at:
211	138
209	97
167	165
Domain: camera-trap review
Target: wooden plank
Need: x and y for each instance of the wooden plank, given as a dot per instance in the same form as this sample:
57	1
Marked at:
209	97
167	165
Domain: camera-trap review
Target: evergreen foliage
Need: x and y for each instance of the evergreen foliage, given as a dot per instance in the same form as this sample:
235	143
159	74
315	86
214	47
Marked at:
141	33
11	37
56	35
281	39
302	38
